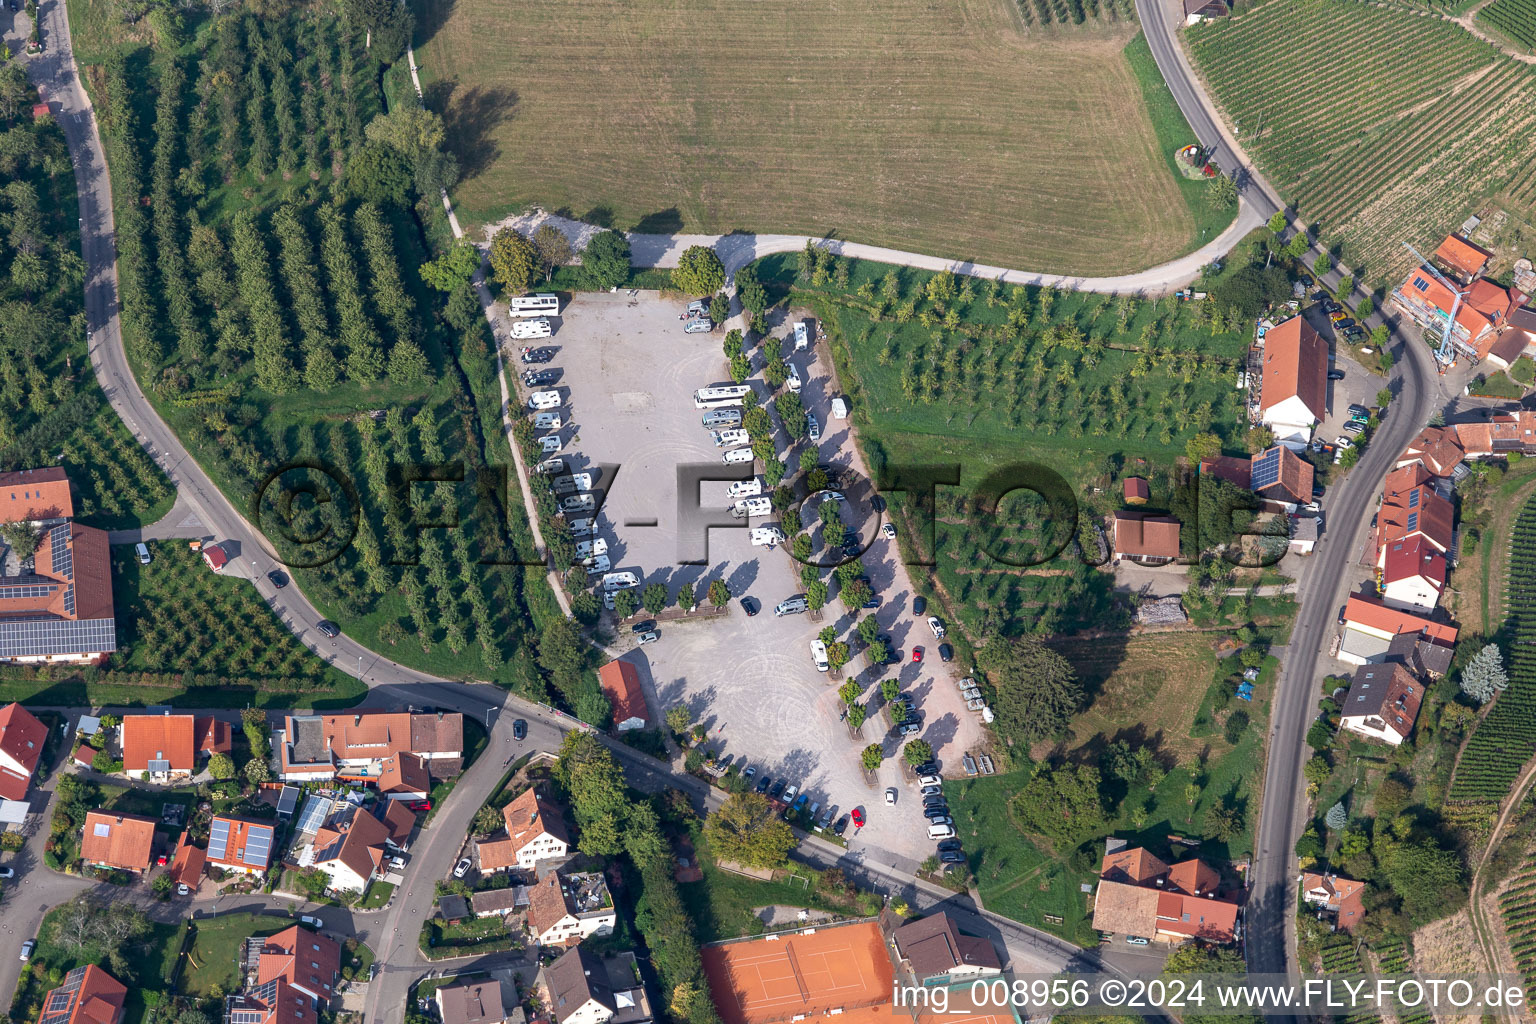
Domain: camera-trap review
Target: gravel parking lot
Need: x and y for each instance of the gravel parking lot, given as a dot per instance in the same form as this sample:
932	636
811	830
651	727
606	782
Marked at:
628	373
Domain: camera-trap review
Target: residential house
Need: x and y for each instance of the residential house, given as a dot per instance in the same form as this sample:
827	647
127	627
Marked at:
1150	540
399	753
1294	390
188	862
296	975
933	947
1412	507
236	844
471	1002
55	607
1437	449
620	681
166	747
1344	897
89	995
121	842
1461	260
1509	346
1413	575
22	738
1480	306
1278	475
1420	656
1499	436
1138	894
1370	626
535	831
583	988
1382	703
1137	491
564	909
354	846
501	902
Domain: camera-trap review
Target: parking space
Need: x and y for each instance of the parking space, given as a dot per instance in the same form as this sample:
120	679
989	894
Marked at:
1358	386
628	373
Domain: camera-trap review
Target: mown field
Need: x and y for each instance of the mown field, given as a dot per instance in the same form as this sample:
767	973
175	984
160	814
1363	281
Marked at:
1381	125
1513	19
957	129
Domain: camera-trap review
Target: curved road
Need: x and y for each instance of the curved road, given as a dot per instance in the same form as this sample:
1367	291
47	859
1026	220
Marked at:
1270	917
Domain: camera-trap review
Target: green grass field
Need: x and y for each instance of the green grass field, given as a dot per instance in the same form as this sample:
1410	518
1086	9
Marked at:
953	130
721	906
212	958
153	959
1381	125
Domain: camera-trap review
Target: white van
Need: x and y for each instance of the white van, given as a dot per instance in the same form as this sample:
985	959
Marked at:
937	832
802	337
730	438
792	605
839	408
737	456
544	400
748	507
581	527
819	654
550	466
793	380
588	548
698	325
550	443
596	563
542	304
547	421
766	536
525	329
142	550
620	581
722	418
579	503
572	483
745	488
812	428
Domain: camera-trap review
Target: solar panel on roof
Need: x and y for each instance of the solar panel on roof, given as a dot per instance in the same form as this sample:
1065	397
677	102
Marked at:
1413	498
218	840
1413	520
1267	470
38	637
69	600
63	558
258	843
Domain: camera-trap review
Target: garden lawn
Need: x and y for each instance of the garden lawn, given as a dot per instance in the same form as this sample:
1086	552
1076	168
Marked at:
441	941
154	962
214	956
175	616
378	894
722	904
947	130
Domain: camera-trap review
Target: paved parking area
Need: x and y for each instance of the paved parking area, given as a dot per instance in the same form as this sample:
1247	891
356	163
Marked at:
1358	387
628	376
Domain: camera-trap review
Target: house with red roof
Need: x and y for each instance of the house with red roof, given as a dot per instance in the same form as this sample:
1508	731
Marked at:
1413	575
1481	309
535	831
354	845
1460	260
166	747
1277	475
236	844
1437	449
89	995
119	842
1293	389
620	681
1342	897
188	863
1136	490
297	971
56	606
1148	539
1412	507
401	753
1499	436
1382	703
21	746
1140	895
1371	626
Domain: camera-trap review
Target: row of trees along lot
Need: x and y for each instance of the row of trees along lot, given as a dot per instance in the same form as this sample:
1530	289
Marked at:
274	309
49	401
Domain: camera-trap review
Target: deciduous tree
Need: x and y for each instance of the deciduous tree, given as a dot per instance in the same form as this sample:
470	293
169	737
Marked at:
747	830
699	271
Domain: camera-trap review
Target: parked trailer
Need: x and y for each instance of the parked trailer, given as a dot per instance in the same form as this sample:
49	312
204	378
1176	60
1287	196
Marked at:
542	304
720	396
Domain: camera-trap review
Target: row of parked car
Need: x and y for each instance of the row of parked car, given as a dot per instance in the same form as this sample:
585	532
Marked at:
822	819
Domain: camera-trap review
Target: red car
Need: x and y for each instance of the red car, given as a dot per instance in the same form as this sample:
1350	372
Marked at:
858	818
420	805
917	654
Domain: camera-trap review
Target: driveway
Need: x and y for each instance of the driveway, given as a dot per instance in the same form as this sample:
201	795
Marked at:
628	373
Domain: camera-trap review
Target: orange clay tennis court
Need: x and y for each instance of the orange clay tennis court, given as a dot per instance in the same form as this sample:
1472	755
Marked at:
776	979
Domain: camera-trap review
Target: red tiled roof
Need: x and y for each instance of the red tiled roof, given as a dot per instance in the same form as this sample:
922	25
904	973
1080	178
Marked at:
89	995
530	816
212	736
30	494
239	836
361	847
404	772
1462	256
1200	917
1137	489
171	738
117	840
1506	432
1406	559
546	904
21	740
302	958
1344	895
620	681
1146	536
1194	876
1388	693
1135	865
1295	480
187	865
1372	613
1511	345
87	580
1411	507
1437	448
1488	298
1295	365
399	819
215	557
1235	471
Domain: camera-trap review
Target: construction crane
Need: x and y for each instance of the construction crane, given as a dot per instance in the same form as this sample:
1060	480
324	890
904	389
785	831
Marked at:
1446	352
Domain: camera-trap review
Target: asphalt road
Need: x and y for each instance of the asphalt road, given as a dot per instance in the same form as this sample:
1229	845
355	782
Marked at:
1418	391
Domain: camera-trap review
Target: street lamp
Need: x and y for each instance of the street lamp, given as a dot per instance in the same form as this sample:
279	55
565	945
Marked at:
488	718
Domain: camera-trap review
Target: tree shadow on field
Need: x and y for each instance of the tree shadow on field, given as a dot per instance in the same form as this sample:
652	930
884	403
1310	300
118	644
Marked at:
472	114
431	16
662	222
